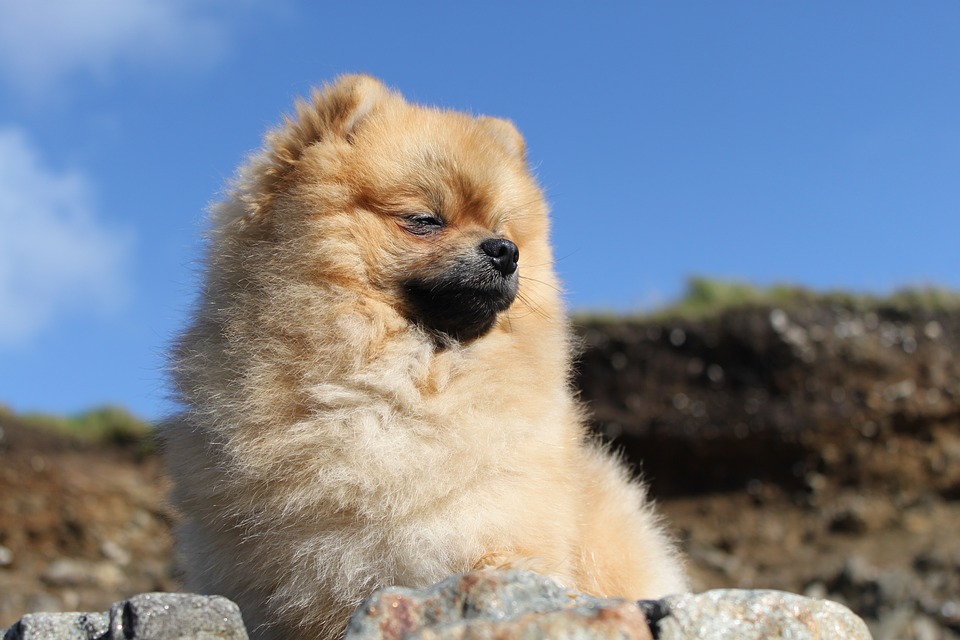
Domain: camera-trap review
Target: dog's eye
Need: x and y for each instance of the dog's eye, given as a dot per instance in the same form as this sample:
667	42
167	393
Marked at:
423	224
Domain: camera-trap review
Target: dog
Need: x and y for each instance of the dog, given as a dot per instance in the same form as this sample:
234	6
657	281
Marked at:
376	379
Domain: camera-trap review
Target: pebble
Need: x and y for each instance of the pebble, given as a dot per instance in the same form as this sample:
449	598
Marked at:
70	572
115	553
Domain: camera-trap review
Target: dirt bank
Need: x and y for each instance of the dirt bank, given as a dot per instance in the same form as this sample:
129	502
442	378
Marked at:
811	448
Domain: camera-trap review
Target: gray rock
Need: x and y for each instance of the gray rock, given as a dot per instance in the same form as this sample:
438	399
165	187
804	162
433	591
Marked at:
59	626
168	616
517	605
149	616
484	605
753	615
495	604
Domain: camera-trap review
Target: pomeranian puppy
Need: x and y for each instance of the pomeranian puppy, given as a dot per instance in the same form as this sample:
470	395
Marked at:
376	378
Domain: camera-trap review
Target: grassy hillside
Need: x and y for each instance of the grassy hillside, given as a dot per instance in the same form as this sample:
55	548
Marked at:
707	297
110	424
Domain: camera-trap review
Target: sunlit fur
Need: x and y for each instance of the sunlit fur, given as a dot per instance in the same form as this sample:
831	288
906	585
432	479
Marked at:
329	443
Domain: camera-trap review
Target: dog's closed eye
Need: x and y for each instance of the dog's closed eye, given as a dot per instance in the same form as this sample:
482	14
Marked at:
423	224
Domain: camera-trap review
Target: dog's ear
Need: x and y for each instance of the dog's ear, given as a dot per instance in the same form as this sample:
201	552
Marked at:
506	134
334	113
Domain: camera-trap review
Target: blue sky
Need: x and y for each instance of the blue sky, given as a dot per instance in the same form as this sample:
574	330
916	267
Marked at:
814	142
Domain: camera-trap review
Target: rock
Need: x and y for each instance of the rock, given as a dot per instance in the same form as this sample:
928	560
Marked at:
858	514
495	604
163	616
725	614
485	605
149	616
70	572
59	626
873	591
115	553
509	605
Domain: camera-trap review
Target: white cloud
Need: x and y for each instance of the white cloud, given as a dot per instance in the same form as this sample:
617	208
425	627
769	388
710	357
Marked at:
55	256
42	41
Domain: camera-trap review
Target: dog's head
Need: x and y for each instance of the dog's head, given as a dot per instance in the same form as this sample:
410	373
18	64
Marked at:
432	213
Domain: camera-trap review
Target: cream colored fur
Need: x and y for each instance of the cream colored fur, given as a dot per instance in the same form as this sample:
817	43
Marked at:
330	445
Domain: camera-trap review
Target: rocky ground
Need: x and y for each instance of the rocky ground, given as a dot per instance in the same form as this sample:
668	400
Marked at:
811	448
81	525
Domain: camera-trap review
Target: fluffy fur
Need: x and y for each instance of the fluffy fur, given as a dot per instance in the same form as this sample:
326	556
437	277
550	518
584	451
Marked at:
367	400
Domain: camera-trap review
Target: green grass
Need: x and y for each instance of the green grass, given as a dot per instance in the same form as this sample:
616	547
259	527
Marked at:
707	297
110	424
928	299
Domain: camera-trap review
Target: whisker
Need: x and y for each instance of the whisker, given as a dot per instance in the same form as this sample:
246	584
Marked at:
534	309
540	265
533	305
546	284
568	255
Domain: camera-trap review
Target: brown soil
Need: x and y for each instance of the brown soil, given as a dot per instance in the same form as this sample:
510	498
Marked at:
815	450
81	526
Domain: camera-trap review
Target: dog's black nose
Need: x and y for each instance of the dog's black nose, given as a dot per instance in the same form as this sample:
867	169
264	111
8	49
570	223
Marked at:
503	254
